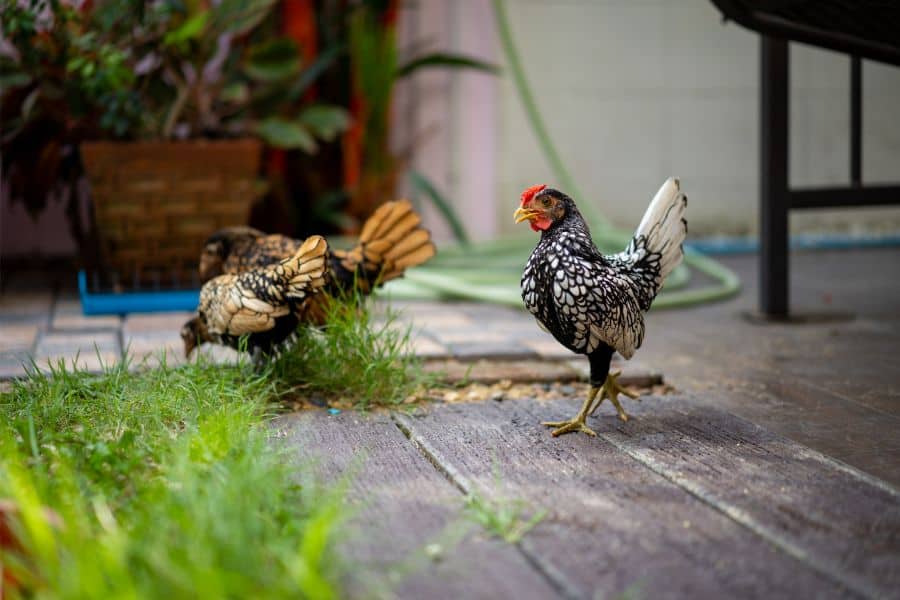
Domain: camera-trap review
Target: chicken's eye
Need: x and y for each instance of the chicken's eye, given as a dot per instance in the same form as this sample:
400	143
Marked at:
545	201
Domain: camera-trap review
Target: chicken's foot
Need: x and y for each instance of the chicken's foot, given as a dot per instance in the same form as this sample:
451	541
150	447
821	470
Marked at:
611	389
576	423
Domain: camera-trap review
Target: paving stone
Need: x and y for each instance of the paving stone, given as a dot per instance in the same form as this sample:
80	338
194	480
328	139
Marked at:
442	322
471	335
68	345
153	348
93	362
17	336
547	347
497	350
26	306
485	313
414	307
67	315
218	354
425	347
167	322
14	363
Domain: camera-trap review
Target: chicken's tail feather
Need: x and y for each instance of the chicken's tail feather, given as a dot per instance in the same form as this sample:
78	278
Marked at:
655	250
304	272
392	240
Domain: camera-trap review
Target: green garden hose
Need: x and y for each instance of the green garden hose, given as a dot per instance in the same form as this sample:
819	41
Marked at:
489	271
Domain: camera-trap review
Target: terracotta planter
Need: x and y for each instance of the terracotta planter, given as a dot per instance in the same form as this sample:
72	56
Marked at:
155	203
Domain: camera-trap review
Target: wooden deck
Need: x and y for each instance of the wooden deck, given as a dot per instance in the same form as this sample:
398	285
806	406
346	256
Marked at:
772	471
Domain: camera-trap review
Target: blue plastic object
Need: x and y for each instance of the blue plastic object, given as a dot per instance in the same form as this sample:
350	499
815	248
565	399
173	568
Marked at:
743	245
110	303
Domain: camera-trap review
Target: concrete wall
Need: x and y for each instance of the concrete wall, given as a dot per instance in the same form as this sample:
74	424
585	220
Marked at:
635	90
632	91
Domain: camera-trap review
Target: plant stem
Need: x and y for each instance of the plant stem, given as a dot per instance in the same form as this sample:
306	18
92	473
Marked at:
537	122
181	98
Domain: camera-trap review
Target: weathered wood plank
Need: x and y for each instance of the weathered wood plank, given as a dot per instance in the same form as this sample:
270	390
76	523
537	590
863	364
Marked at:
828	515
404	505
776	376
613	525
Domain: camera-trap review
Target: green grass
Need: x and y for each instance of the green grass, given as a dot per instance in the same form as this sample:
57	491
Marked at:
502	517
355	358
164	479
166	486
498	514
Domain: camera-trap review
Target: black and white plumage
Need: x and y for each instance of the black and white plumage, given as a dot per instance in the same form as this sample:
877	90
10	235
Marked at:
591	303
259	303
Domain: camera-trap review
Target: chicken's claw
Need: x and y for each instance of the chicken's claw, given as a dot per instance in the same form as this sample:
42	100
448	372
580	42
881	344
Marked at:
562	427
576	423
611	389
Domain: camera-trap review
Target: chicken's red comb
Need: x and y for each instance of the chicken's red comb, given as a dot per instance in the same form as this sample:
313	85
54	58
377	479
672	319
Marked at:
531	192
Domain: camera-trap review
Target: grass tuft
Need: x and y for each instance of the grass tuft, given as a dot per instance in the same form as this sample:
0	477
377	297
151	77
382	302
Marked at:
355	356
502	517
163	483
160	483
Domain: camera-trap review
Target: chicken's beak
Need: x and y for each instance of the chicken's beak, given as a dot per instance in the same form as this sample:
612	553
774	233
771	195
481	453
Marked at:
524	214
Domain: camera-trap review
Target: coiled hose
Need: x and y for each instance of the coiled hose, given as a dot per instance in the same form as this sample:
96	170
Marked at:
490	271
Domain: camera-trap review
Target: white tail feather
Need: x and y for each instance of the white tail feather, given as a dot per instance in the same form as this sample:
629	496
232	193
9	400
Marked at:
664	226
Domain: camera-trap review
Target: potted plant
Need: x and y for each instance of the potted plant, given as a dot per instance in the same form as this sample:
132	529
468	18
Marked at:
337	189
372	170
166	105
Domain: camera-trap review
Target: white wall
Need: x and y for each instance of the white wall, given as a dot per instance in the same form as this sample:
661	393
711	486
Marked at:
635	90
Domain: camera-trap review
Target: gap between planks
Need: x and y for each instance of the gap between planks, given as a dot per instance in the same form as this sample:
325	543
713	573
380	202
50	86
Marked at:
550	573
826	568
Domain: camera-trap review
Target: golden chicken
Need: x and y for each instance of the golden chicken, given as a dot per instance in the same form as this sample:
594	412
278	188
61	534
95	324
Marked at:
391	241
261	303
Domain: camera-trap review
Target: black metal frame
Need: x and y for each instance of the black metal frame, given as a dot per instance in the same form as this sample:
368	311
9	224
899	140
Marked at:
776	196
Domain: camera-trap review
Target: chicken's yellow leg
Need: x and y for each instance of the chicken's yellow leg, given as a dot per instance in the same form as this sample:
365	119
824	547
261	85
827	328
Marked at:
611	389
577	423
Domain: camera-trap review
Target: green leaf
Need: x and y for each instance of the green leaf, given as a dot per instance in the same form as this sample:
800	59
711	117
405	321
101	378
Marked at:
313	71
30	101
282	133
75	63
14	80
325	121
239	16
237	92
441	59
191	29
274	60
421	183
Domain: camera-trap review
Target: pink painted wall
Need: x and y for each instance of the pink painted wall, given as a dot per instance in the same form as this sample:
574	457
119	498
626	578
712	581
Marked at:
452	113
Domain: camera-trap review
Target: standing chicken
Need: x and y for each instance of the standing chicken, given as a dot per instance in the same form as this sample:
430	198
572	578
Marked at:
591	303
391	241
260	303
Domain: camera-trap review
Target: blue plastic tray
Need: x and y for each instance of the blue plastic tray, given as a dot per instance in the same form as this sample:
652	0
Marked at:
109	303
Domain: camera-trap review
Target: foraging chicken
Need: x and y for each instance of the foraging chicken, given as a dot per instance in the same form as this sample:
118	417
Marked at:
391	241
594	304
261	303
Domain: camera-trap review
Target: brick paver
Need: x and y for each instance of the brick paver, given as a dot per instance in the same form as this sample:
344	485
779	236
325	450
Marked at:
67	316
48	328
